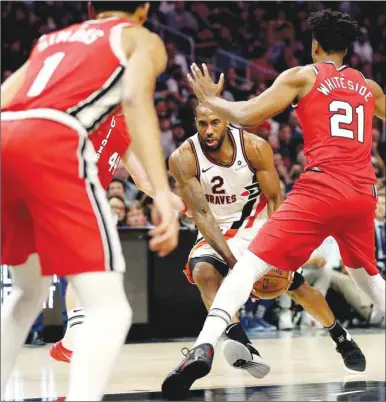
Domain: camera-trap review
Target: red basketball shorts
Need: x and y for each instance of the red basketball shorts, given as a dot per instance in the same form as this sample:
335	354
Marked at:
52	202
319	206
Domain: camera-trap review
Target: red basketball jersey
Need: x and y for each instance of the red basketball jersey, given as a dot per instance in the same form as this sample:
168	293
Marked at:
336	118
111	140
78	71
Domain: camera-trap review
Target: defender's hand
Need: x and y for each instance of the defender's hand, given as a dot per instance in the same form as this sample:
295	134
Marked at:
202	84
165	235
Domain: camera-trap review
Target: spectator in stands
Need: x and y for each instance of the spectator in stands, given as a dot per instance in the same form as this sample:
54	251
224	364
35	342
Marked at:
180	19
160	107
176	58
136	216
166	135
131	191
117	187
172	108
362	47
178	133
119	209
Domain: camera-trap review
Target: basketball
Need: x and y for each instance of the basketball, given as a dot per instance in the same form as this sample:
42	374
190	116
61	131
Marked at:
272	284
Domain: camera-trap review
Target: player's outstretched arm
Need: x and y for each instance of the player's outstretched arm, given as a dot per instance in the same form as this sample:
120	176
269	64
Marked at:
138	174
183	167
147	59
275	99
260	156
12	84
380	100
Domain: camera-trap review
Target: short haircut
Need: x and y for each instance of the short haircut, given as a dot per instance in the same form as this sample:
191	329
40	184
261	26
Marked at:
116	180
333	30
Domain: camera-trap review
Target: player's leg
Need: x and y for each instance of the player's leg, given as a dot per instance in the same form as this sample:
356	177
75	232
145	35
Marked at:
29	290
293	231
316	305
104	331
208	273
18	249
62	350
355	238
86	249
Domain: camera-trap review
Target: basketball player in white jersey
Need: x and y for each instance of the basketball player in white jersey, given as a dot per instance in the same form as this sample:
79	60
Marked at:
228	181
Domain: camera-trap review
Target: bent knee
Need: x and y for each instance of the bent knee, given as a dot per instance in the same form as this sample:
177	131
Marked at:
205	275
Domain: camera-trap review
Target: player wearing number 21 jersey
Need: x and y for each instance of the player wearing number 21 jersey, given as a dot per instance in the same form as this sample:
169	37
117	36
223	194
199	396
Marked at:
335	196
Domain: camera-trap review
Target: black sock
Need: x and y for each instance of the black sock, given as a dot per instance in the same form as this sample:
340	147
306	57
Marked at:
236	332
337	332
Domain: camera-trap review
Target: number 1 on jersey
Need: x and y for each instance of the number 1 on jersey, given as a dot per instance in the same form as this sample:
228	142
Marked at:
347	118
50	65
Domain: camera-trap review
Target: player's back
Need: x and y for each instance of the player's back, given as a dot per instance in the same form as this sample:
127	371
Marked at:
336	118
77	70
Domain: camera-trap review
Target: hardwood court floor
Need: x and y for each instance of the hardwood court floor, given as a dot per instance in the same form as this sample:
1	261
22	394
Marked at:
303	367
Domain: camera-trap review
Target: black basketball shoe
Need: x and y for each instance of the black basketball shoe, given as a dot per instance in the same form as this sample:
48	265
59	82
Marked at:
197	364
353	358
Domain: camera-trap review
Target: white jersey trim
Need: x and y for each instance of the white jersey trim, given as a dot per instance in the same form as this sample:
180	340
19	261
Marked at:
47	114
116	43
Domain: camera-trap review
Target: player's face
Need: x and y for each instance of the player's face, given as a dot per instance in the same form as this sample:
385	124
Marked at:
118	207
211	129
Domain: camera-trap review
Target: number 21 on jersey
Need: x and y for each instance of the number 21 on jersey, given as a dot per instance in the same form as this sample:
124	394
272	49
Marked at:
344	114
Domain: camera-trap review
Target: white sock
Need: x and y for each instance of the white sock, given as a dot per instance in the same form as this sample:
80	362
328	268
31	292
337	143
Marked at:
29	290
233	293
373	286
102	334
74	325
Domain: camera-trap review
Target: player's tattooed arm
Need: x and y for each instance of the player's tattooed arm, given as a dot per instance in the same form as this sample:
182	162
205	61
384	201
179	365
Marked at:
380	100
260	156
182	165
289	86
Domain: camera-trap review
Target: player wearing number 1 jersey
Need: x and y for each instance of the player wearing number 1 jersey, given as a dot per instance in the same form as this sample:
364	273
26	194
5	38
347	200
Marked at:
334	196
55	216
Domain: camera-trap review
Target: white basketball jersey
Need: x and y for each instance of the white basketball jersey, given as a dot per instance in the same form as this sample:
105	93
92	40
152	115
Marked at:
232	190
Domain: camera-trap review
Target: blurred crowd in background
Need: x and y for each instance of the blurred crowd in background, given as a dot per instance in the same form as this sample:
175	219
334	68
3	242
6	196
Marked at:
250	42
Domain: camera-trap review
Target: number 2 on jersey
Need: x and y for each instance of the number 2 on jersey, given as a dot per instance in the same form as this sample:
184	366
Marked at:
51	63
346	118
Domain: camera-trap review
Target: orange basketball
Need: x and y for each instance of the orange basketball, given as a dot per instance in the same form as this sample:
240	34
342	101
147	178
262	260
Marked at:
272	284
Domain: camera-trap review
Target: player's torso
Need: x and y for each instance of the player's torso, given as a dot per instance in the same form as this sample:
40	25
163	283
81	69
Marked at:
232	191
111	141
336	117
78	71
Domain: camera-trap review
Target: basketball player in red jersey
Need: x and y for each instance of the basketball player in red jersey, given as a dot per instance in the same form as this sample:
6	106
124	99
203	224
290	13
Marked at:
56	219
111	142
335	196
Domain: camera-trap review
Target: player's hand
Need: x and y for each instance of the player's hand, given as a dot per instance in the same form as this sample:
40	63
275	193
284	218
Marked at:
202	83
165	235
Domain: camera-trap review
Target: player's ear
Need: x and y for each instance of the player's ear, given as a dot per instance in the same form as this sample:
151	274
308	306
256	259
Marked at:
91	11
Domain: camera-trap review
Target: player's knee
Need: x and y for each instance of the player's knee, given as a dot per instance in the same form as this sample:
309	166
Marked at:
206	276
